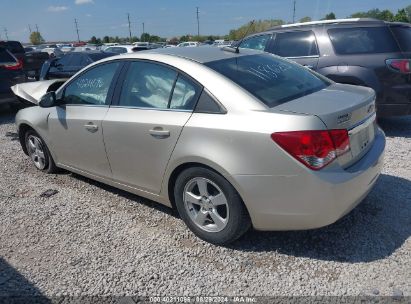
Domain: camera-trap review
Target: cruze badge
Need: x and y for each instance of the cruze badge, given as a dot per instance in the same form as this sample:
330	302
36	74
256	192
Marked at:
344	118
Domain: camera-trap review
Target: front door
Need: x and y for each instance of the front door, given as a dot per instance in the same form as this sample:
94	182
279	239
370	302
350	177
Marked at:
141	131
76	126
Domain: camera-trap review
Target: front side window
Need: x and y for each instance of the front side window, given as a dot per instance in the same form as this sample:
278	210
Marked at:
295	44
256	42
362	40
91	87
272	80
147	85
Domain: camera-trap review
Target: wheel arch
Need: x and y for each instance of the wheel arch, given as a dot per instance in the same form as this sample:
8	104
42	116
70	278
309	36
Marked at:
22	130
174	173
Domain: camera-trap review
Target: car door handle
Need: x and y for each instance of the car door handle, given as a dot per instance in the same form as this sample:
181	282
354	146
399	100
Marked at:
159	132
91	127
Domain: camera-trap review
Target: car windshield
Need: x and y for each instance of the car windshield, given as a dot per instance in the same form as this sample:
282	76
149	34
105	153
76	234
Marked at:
271	79
98	56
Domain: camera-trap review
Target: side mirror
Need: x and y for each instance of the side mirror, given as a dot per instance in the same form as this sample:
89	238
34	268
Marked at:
48	100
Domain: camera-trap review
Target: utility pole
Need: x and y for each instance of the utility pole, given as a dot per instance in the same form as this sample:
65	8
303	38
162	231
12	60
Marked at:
5	32
37	28
198	25
129	25
294	12
142	36
30	29
78	36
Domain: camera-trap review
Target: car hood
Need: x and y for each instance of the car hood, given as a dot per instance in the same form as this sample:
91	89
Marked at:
33	91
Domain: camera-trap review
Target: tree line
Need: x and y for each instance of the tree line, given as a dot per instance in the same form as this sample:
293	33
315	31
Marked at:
402	15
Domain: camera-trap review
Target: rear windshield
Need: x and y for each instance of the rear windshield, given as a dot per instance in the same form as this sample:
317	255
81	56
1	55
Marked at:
271	79
362	40
6	57
403	36
13	46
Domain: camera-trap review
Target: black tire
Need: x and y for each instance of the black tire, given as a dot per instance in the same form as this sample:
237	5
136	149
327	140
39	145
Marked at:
238	221
50	165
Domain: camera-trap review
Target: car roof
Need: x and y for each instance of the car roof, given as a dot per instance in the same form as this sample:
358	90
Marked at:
352	21
200	54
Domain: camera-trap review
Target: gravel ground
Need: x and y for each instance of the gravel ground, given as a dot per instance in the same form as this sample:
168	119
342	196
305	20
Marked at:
91	239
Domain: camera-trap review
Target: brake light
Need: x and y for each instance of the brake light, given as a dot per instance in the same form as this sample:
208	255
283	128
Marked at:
14	66
315	149
399	65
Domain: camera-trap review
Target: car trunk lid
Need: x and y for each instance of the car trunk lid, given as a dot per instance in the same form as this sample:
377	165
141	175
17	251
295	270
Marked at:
342	107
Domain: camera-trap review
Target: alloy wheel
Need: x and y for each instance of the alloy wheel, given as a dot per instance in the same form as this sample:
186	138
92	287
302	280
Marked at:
206	204
36	151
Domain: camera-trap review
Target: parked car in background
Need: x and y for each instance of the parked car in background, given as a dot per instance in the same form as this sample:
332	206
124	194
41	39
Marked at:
31	60
69	64
364	52
11	73
53	52
229	139
188	44
66	49
122	49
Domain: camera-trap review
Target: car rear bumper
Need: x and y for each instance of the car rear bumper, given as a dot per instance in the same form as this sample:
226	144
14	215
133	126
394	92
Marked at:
312	200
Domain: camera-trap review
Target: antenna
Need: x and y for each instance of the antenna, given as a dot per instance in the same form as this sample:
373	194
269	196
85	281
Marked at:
237	49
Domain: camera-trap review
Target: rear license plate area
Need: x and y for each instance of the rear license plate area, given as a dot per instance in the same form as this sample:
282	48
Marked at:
361	137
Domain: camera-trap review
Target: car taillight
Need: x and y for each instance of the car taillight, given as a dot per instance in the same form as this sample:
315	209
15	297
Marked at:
399	65
14	66
315	149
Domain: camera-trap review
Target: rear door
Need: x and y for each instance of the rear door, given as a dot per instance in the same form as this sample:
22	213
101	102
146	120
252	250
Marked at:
154	102
299	46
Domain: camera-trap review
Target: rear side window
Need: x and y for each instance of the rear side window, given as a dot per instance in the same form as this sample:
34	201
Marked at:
362	40
185	94
147	85
256	42
271	79
12	46
295	44
403	36
6	57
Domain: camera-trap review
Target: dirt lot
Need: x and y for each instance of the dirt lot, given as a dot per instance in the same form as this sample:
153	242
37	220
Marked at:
91	239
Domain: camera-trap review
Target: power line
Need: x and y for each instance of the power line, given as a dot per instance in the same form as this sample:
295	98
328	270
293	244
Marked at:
129	25
198	24
294	12
78	36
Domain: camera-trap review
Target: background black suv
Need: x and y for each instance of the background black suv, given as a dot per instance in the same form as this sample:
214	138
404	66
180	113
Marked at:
366	52
11	73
